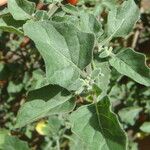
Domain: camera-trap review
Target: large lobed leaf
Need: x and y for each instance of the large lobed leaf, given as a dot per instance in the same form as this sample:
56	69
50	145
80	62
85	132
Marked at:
132	64
65	50
48	100
98	127
122	19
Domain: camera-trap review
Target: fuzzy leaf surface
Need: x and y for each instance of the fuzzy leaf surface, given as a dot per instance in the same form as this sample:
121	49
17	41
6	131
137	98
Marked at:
65	50
48	100
132	64
98	127
122	19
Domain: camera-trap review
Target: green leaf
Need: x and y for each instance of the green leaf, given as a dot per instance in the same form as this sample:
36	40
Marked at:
103	80
133	145
145	127
8	142
133	112
88	23
111	4
122	19
70	9
8	24
76	143
117	94
41	15
38	79
48	100
65	50
21	9
4	12
132	64
54	125
84	21
14	88
98	127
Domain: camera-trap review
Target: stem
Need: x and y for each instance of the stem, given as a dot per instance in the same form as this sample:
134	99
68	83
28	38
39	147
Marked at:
58	144
48	146
93	65
137	33
69	138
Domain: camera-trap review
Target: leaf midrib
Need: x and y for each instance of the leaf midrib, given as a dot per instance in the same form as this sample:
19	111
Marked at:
130	68
42	114
57	51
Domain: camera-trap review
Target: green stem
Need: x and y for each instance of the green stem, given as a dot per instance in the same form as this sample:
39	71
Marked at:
93	65
69	138
58	144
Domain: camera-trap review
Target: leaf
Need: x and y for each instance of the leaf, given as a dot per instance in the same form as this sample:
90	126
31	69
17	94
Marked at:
133	145
21	9
98	127
84	21
48	100
145	127
70	9
14	88
103	80
4	12
41	15
8	142
133	112
54	124
88	23
65	50
8	24
38	79
122	19
117	94
132	64
111	4
76	143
